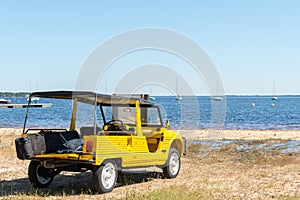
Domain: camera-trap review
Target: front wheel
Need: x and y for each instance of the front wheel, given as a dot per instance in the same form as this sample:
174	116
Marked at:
40	176
172	167
105	177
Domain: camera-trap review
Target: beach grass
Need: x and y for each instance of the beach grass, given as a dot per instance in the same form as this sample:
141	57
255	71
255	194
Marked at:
178	193
228	172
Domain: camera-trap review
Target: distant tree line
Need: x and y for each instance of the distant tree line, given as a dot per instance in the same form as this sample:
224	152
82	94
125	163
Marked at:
13	94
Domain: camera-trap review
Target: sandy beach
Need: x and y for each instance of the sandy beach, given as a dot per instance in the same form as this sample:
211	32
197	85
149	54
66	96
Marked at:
211	134
224	173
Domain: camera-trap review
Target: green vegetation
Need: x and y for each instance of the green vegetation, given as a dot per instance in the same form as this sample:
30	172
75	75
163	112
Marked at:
13	94
177	193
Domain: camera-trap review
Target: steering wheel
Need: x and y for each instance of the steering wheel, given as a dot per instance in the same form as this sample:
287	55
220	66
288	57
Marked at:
113	125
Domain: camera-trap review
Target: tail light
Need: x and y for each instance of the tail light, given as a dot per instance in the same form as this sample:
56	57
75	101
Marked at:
89	146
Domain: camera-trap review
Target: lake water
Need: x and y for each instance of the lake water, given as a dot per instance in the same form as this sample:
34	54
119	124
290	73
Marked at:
189	113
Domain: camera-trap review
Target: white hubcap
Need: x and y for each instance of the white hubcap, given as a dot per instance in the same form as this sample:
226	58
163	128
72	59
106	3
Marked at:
108	175
174	163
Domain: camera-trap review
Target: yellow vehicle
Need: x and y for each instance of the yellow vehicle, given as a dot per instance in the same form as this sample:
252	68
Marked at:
122	132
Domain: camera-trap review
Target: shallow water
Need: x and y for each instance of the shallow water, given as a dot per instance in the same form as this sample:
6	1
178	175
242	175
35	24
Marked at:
284	147
189	113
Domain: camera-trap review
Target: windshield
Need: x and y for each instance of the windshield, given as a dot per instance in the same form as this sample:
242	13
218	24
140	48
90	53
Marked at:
124	113
150	116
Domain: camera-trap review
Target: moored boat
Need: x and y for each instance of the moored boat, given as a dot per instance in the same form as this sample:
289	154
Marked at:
215	99
5	101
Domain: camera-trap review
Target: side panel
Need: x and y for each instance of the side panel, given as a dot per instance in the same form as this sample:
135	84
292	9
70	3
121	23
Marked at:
139	144
139	154
132	150
106	147
111	145
144	159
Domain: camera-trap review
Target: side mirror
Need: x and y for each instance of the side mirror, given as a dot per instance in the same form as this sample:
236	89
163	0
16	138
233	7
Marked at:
168	124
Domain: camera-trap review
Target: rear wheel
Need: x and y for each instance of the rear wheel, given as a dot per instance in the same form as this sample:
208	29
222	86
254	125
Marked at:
40	176
105	177
172	167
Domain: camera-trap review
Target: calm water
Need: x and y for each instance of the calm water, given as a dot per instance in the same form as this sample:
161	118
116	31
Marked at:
189	114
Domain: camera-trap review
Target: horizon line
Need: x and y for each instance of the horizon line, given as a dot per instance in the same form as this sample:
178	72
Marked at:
187	95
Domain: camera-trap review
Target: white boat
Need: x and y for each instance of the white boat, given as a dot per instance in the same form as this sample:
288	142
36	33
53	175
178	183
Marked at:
274	98
216	98
34	99
5	101
152	98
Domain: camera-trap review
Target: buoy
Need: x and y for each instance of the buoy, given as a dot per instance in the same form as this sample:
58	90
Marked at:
253	105
273	104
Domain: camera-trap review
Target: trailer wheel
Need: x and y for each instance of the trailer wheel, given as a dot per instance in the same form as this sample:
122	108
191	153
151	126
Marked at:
40	176
105	177
172	167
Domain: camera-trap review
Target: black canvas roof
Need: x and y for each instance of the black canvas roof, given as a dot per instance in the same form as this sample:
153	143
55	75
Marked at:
92	97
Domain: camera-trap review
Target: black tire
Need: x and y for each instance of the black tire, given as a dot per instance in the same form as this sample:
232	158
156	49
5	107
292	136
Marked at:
39	176
105	177
173	163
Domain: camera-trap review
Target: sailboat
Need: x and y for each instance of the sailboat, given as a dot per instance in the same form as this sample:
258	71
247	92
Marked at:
33	99
274	98
178	97
216	98
152	98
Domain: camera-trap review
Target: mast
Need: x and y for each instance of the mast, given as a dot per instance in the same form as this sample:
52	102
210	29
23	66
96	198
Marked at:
178	97
274	98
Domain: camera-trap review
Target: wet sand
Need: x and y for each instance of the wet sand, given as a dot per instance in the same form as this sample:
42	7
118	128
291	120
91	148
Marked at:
241	134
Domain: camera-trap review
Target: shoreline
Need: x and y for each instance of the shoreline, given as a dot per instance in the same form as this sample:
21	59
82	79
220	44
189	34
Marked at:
240	134
211	134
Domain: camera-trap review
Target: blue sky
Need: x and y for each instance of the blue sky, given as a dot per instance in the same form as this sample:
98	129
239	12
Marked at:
252	43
